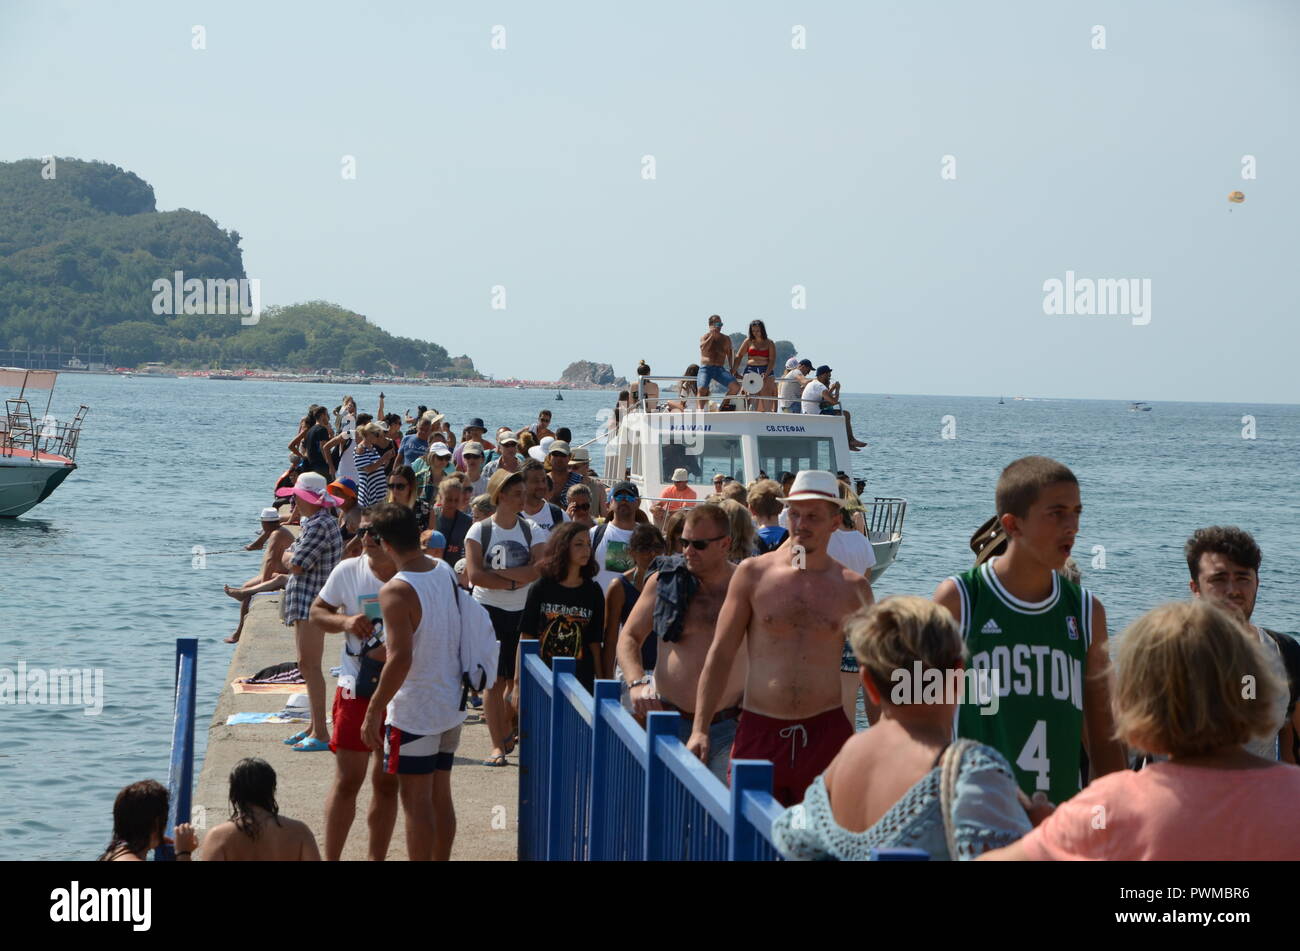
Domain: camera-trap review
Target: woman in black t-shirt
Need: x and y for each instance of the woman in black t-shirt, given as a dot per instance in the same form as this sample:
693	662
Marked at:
566	608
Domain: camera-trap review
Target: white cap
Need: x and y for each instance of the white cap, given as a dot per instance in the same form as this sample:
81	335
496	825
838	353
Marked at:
270	515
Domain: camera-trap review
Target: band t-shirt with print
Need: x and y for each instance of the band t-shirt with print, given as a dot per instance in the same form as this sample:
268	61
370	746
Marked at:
566	621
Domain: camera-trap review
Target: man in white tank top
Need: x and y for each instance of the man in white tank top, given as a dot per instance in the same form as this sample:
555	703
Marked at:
420	683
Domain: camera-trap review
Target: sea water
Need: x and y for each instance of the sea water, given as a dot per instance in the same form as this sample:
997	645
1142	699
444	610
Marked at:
131	551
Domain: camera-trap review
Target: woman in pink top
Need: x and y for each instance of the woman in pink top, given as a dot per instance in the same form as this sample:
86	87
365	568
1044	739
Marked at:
1182	670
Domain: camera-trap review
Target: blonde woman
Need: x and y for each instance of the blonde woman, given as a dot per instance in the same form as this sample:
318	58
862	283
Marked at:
742	530
885	788
1181	678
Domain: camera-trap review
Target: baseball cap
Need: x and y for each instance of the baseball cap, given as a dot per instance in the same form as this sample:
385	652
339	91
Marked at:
436	539
791	363
626	488
559	446
472	449
506	437
345	488
823	369
805	362
440	448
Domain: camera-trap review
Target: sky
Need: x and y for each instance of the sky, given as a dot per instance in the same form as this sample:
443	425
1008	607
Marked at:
827	168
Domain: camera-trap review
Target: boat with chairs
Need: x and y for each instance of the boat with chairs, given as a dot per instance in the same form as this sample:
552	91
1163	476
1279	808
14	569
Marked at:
36	454
650	438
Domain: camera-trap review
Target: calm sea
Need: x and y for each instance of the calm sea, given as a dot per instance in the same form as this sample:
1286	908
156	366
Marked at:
102	574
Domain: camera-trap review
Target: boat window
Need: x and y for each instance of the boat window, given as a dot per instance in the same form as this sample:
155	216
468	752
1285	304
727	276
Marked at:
702	456
778	454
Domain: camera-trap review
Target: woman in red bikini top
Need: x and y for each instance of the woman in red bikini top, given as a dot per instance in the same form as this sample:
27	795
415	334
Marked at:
759	355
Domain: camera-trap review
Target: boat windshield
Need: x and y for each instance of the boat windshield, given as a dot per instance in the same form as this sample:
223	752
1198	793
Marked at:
703	455
796	453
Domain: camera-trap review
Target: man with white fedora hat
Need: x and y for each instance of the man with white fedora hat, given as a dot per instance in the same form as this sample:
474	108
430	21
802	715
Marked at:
791	605
309	562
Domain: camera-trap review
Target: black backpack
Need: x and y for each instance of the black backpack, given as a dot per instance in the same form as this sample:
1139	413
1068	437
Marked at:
1290	649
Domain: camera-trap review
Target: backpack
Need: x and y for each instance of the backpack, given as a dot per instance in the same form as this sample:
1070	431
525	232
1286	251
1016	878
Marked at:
479	648
487	535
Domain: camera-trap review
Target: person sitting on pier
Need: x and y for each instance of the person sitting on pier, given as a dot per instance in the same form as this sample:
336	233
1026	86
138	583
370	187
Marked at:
786	608
275	539
679	605
140	825
715	358
885	787
341	608
256	831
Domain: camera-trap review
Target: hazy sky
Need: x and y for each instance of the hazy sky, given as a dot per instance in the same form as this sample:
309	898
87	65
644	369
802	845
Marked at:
774	167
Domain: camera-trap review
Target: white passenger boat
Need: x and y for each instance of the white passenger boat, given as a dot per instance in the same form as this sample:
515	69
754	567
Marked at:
649	443
36	454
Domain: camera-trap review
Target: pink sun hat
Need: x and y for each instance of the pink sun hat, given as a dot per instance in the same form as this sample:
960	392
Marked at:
311	487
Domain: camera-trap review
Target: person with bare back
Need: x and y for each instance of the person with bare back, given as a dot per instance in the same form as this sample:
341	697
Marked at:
715	360
788	608
275	539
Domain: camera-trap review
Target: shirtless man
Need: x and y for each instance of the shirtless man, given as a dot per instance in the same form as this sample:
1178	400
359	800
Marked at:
792	604
715	358
257	832
707	539
276	539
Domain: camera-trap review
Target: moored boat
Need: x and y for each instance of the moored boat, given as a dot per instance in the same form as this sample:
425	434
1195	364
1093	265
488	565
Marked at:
36	455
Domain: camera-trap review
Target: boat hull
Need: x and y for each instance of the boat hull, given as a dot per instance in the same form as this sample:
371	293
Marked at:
24	485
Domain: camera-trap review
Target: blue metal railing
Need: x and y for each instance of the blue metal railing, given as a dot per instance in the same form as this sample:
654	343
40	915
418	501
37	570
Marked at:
180	773
594	785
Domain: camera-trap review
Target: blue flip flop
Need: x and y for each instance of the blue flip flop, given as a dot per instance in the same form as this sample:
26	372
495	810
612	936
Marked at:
296	738
311	745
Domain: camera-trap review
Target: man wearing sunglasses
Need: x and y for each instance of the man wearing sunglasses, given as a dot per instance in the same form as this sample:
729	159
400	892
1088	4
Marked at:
348	604
680	605
609	539
791	605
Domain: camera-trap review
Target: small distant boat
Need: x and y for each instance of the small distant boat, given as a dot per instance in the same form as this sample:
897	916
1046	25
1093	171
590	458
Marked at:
1139	408
559	395
1001	401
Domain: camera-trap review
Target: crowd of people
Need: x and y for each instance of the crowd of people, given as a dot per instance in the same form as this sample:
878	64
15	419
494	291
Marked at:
750	612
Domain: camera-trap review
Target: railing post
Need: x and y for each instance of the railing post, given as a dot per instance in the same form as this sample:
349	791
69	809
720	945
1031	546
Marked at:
556	830
180	772
596	844
746	776
530	731
658	723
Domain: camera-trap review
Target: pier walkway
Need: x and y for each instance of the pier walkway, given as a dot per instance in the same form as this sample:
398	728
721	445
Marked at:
487	798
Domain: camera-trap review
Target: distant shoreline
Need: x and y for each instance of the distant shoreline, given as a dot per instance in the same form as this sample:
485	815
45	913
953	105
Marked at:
318	378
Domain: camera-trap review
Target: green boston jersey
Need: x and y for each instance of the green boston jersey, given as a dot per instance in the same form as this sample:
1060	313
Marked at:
1036	656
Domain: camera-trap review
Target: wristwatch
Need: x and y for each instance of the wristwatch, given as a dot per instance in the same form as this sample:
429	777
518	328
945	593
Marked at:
637	683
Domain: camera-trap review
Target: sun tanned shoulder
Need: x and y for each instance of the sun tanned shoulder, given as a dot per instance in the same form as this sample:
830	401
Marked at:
947	596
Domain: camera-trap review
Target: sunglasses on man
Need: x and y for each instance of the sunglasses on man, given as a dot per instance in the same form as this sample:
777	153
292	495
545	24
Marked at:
699	544
626	498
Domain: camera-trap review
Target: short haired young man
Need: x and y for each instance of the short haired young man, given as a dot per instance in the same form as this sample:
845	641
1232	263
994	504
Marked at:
1042	637
419	687
1224	564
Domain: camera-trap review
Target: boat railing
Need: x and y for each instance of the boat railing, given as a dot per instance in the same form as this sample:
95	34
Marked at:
685	397
21	431
885	515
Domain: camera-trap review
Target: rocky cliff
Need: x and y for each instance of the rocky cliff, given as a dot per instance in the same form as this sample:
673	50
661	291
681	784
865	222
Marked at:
586	373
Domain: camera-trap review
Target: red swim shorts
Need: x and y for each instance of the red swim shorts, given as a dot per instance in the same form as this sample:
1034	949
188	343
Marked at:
800	750
349	713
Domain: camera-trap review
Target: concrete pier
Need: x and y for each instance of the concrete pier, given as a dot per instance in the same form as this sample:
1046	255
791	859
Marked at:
486	798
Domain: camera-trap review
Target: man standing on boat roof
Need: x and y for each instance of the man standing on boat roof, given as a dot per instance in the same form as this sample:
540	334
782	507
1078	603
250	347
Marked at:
715	359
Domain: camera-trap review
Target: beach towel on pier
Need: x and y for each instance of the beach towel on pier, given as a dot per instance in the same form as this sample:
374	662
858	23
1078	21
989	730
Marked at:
286	673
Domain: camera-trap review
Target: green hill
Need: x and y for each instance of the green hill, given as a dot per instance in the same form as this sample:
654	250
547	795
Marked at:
79	253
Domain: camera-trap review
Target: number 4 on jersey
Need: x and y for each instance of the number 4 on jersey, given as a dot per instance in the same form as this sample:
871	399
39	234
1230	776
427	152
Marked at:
1033	757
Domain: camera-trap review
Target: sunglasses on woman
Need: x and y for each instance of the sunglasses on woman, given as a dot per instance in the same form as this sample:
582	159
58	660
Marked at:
581	506
699	544
399	486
